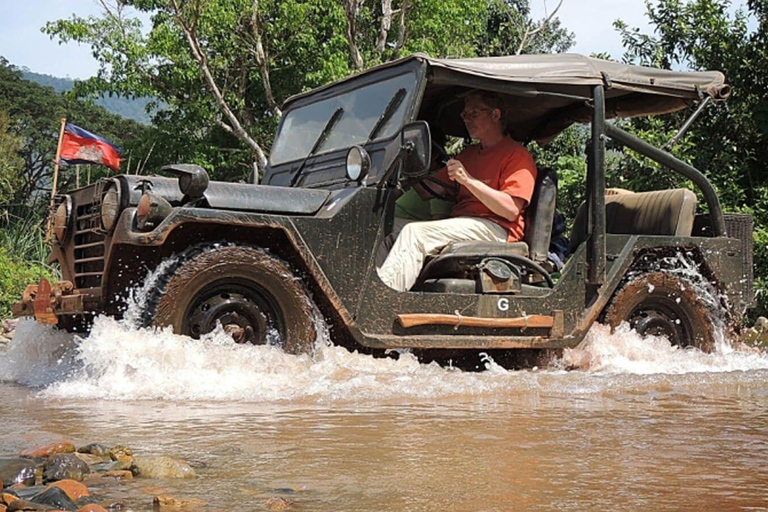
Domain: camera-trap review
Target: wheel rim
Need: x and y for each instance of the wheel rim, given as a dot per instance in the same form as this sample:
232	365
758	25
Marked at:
247	312
662	318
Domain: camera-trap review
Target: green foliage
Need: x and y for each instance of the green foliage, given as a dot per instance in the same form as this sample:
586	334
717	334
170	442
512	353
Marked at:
304	46
15	275
35	113
11	163
22	256
729	143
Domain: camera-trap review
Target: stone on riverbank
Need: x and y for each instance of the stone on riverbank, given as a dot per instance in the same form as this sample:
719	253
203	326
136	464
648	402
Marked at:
64	466
92	508
276	503
166	502
17	471
121	453
161	467
75	490
54	497
49	449
96	449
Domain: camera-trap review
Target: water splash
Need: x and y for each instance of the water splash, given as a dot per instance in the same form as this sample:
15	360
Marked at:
120	362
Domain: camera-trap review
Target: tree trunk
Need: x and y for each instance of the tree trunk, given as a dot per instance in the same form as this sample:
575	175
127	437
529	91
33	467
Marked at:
385	26
350	9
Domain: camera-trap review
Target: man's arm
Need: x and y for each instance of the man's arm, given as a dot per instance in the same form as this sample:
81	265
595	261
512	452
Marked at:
500	203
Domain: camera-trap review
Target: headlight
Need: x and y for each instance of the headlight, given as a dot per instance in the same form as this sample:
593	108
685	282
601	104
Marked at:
151	211
110	208
358	163
61	219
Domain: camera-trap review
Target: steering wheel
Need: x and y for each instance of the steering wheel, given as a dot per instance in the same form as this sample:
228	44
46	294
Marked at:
434	187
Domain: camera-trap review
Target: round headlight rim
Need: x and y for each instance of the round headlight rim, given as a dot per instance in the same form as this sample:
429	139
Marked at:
62	232
363	163
113	188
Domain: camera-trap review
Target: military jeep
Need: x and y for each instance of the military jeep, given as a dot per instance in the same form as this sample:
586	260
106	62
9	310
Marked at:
262	259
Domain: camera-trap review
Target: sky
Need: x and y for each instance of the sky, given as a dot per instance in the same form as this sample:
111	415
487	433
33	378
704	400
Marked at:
22	43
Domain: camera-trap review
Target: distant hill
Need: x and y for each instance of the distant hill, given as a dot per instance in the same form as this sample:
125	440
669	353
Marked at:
128	108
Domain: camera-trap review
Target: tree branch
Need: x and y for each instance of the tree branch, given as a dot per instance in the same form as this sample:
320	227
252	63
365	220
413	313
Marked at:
350	9
528	33
401	31
262	61
234	124
384	26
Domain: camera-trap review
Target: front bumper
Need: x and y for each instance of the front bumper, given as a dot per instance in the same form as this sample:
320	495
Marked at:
46	303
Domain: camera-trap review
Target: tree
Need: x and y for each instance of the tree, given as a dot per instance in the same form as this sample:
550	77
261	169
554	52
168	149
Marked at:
223	67
729	143
11	163
33	119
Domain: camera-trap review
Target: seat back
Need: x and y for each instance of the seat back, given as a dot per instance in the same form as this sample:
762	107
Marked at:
659	212
540	215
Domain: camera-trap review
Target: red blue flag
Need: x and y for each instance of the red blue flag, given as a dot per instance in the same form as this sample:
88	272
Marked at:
80	146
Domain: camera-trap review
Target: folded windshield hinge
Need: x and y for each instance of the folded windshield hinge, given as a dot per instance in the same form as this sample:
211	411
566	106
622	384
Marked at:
606	80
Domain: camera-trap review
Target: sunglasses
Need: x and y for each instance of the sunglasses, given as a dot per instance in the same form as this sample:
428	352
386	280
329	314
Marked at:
472	114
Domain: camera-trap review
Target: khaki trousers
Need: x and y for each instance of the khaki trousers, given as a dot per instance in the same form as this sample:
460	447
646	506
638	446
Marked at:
418	239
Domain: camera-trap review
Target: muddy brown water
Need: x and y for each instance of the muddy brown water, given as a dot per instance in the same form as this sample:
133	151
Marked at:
639	426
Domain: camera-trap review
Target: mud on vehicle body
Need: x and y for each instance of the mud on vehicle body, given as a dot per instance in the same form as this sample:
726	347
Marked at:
255	257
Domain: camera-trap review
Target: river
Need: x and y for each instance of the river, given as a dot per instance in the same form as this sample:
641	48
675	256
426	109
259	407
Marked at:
638	425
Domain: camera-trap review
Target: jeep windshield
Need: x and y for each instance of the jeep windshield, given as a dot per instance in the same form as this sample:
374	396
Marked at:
362	107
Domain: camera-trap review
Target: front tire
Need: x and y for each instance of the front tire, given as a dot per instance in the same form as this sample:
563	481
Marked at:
252	294
663	305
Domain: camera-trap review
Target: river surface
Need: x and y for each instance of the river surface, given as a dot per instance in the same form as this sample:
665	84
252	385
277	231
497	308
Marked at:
639	425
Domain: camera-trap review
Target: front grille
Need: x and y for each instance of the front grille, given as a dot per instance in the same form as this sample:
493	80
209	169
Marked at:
89	237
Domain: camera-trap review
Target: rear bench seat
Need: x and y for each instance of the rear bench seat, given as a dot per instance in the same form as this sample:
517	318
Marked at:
660	212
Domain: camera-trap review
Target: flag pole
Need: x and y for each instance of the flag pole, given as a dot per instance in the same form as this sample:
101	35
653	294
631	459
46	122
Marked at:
49	227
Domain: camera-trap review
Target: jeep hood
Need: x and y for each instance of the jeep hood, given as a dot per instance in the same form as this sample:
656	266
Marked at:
232	196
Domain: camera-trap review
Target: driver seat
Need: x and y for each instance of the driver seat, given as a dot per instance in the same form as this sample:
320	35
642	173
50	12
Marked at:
449	269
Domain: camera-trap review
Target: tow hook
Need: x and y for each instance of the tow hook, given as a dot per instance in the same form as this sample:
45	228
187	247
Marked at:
45	300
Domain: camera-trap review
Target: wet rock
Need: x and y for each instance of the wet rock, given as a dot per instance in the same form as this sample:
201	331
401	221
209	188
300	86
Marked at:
64	466
7	498
75	490
283	490
54	497
161	467
166	502
96	449
49	449
17	471
276	503
122	474
93	507
91	460
113	465
121	453
28	505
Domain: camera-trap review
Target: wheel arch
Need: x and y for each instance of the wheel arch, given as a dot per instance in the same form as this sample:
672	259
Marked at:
279	240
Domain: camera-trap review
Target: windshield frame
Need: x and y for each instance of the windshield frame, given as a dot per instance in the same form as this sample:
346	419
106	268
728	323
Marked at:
347	86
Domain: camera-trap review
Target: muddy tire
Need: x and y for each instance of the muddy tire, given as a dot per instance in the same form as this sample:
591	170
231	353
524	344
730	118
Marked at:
254	295
663	305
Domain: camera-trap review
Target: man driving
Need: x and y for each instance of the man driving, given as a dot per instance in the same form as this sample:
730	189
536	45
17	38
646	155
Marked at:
496	177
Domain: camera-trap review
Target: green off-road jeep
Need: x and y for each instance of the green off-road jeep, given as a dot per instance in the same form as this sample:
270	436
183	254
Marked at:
262	259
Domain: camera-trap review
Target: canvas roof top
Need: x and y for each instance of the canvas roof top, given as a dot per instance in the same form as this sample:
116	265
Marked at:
548	92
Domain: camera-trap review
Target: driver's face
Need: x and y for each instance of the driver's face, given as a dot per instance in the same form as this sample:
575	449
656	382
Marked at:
479	118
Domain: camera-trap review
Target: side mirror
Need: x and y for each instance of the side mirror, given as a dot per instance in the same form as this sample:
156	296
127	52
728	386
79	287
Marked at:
416	149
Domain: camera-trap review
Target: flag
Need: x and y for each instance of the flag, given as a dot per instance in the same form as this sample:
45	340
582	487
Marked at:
80	146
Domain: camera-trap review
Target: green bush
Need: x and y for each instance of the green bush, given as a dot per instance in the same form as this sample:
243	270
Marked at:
15	275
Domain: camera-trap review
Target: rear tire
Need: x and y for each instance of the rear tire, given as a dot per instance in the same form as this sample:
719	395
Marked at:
663	305
252	294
